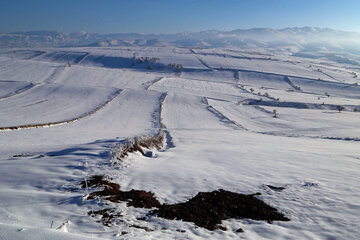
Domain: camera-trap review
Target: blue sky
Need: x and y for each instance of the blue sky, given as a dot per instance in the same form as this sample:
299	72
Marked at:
171	16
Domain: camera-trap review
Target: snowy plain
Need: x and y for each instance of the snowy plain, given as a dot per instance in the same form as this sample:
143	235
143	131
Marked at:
59	123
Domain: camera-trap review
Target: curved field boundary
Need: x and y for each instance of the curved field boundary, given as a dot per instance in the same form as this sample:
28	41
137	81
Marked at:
227	121
243	89
53	124
55	74
286	75
161	100
168	139
21	90
148	84
160	141
204	63
351	139
83	58
302	105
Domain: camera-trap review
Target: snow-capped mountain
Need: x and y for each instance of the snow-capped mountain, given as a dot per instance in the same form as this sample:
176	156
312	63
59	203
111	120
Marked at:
301	38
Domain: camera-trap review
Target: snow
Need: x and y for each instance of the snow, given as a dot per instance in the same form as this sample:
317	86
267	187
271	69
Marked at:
10	88
292	121
36	106
17	232
72	117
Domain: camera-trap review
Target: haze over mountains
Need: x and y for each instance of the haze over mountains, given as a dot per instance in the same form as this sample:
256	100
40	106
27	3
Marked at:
292	38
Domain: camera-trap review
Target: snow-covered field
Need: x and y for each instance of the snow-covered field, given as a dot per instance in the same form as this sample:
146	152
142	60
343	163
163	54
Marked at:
59	123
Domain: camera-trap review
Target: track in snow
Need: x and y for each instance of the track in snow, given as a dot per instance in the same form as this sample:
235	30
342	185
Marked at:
148	84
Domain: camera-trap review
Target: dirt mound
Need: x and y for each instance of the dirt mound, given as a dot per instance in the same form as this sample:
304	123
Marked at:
111	191
107	215
207	209
98	181
136	198
275	188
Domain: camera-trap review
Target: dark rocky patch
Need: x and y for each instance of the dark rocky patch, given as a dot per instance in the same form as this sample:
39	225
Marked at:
240	230
111	191
143	228
275	188
98	181
219	227
22	155
141	218
106	214
136	198
207	209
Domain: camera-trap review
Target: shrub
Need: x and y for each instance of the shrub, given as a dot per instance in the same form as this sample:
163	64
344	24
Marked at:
131	145
340	108
274	113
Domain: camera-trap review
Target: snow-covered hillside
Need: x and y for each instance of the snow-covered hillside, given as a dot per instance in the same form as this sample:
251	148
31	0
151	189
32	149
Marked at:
246	121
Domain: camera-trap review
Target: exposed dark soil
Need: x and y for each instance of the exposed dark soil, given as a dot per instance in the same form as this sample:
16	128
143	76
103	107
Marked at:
98	181
136	198
143	228
107	215
207	209
111	191
22	155
240	230
275	188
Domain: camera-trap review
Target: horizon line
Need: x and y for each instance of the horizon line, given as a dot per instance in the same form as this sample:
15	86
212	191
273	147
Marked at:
181	32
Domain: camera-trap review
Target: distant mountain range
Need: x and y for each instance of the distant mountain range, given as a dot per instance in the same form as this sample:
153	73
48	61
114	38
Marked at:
292	39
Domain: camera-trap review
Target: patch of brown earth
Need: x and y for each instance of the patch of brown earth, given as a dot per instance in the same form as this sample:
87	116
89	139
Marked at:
111	191
207	209
275	188
107	215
